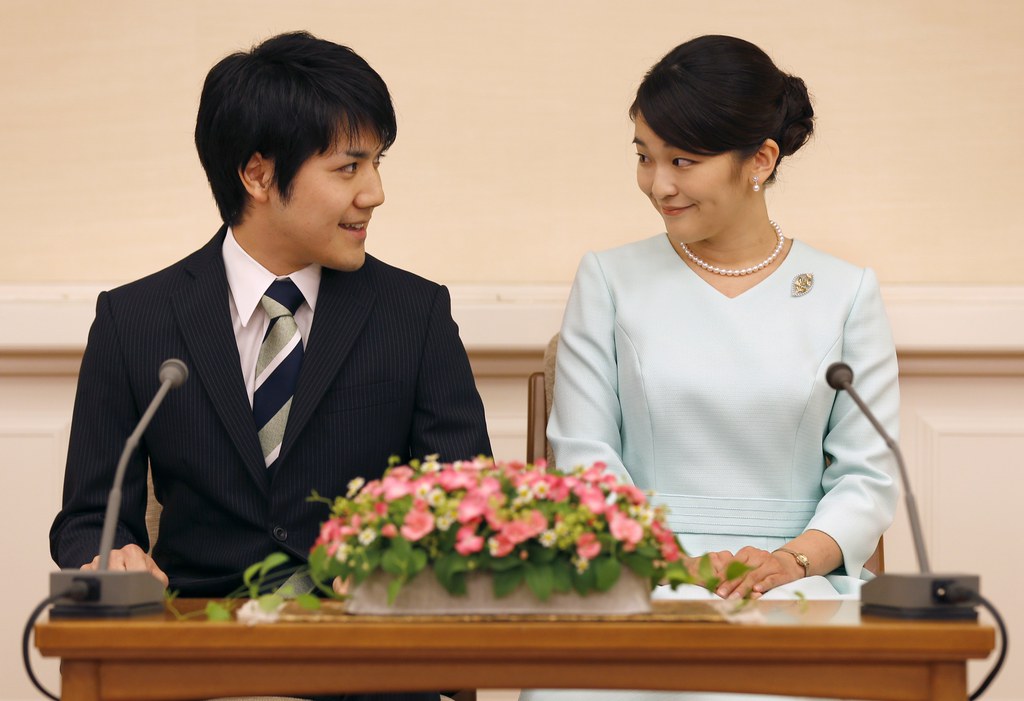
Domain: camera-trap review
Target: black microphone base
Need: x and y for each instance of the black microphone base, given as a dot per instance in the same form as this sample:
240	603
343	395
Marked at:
921	596
110	594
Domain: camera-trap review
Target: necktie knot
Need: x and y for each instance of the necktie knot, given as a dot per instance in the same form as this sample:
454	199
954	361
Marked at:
282	298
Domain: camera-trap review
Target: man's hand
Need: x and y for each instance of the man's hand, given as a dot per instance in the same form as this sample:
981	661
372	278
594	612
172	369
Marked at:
130	557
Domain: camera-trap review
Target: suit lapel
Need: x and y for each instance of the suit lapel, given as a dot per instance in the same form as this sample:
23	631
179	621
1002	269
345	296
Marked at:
343	306
202	313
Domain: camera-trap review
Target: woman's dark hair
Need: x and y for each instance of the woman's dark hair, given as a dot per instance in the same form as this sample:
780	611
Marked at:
716	94
291	97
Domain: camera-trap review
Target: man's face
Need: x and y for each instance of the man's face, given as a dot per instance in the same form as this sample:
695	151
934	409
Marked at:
325	218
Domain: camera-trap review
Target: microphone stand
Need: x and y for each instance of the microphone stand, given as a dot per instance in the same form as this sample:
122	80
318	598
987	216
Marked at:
925	595
107	593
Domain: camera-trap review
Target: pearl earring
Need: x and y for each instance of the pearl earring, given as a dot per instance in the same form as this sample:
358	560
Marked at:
757	188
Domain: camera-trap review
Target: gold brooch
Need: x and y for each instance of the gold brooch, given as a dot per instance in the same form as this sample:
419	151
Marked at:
802	284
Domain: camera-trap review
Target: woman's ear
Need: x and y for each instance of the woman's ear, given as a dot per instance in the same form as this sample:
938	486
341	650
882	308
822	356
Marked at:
762	163
258	177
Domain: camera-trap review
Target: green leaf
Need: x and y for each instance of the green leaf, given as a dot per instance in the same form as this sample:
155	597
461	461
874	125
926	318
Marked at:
271	561
394	587
541	580
506	581
450	571
737	569
417	561
606	572
270	602
396	562
541	555
310	602
705	570
216	611
639	564
502	564
250	572
584	582
561	573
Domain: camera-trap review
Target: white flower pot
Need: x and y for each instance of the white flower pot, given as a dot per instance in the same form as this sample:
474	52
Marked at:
424	595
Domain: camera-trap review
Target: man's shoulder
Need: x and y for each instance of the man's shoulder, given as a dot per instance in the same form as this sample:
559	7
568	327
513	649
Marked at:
163	282
390	280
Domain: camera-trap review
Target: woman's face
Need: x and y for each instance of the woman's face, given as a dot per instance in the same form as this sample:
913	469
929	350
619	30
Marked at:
699	197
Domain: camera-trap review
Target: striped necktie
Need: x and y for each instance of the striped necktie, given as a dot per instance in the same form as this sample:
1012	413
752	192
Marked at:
277	367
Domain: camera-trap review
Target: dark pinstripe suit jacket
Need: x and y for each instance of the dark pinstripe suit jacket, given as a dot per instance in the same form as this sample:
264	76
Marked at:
384	374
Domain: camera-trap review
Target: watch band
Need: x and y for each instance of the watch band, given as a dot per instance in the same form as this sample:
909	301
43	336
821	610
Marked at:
801	559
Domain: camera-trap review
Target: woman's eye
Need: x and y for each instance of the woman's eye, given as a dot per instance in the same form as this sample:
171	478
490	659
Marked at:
682	162
642	157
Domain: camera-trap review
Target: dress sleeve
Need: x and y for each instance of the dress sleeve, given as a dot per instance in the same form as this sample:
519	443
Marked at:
861	480
586	418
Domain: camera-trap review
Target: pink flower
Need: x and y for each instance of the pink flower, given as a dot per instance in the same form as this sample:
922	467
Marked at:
500	546
467	541
473	506
625	529
587	546
591	497
388	530
418	523
395	488
632	493
452	480
380	508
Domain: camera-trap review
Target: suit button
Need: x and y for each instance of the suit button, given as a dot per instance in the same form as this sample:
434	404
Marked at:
280	533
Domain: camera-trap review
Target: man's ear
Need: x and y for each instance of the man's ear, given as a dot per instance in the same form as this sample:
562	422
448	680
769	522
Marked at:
258	177
762	163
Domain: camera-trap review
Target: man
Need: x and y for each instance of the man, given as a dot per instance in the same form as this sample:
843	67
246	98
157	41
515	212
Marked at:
311	362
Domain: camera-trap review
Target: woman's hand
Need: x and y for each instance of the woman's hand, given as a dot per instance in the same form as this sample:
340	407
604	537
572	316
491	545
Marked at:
773	569
719	561
768	570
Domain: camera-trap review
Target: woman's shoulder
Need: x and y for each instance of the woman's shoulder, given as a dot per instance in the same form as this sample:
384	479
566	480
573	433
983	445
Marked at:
827	268
645	253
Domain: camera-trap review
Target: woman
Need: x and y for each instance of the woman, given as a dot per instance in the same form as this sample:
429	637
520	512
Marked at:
693	362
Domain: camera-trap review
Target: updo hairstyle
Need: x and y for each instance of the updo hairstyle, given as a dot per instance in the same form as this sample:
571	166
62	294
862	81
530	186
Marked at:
716	94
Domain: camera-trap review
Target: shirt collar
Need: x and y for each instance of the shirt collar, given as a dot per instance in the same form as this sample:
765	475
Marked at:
248	280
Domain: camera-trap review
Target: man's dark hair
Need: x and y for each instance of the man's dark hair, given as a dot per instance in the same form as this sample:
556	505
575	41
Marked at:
290	98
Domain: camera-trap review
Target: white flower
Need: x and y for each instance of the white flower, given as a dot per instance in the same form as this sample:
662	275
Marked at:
548	538
422	490
436	497
524	492
444	522
541	490
250	613
354	486
430	464
367	536
342	553
582	564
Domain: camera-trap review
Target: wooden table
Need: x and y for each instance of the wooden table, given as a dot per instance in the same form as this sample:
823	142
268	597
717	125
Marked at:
812	648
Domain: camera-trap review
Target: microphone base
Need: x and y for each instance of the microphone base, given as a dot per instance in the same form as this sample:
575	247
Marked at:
111	594
940	597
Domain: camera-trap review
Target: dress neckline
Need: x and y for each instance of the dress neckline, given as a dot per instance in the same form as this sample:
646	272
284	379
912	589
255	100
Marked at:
767	282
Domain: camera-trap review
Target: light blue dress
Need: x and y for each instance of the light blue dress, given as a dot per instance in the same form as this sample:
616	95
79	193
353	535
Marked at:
720	406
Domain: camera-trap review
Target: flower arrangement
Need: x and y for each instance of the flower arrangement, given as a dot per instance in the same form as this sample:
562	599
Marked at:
555	531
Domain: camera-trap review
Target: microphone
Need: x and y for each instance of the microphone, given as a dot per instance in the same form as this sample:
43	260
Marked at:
118	593
925	595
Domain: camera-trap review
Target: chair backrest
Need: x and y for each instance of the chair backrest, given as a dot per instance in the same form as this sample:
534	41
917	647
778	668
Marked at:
153	510
539	393
540	390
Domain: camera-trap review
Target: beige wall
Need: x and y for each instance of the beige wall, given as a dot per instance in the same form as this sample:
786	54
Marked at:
513	155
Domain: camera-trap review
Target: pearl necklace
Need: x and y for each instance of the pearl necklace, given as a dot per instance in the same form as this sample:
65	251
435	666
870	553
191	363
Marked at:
745	271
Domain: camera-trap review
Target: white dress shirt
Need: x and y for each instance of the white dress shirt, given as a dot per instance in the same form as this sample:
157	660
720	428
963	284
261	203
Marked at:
247	282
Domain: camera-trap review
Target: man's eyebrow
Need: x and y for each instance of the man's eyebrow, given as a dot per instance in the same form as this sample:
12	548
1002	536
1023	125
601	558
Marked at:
638	142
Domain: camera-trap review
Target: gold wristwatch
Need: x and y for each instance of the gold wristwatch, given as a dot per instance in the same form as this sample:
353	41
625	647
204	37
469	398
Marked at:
801	559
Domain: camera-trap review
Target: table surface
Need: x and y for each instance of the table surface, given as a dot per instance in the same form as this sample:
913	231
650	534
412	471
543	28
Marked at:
810	648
